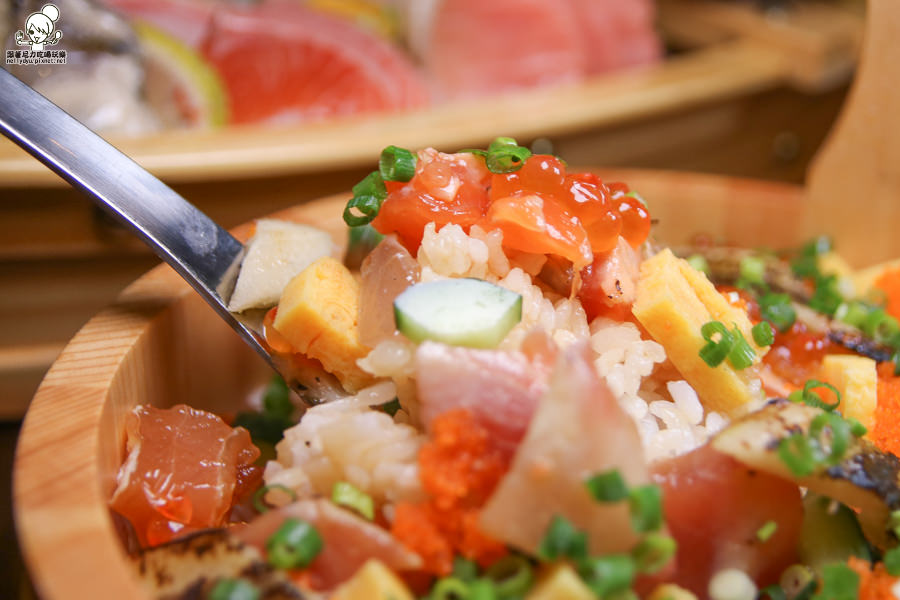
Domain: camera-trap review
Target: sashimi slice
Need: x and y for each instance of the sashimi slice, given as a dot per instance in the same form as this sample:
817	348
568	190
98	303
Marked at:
385	273
715	506
500	389
283	62
184	471
348	541
616	34
473	48
578	430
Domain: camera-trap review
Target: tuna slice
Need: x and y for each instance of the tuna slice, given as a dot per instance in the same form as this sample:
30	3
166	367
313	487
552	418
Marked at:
617	34
184	471
286	63
500	389
348	541
474	48
715	506
578	430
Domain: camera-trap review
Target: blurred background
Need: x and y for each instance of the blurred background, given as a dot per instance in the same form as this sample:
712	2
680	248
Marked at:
248	106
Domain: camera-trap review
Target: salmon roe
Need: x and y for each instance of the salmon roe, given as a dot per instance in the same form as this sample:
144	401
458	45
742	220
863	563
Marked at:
459	468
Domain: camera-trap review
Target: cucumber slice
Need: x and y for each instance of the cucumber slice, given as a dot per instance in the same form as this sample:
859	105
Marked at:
830	533
460	312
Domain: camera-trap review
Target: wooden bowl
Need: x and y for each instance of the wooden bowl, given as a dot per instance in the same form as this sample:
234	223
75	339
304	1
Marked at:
160	344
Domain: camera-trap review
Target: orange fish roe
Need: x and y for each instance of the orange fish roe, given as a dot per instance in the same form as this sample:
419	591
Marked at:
874	583
886	433
459	468
889	283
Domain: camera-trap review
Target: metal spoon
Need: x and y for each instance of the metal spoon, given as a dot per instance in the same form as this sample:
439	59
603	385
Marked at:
202	252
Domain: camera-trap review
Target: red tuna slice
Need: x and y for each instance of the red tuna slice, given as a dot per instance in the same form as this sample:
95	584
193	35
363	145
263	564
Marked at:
283	62
578	430
500	389
185	470
348	541
714	507
474	48
617	33
187	20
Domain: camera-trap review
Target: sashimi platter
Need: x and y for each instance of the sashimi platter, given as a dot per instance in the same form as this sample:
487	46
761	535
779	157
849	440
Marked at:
512	389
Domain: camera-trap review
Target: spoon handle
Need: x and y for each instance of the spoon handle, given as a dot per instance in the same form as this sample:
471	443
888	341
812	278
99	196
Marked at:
204	254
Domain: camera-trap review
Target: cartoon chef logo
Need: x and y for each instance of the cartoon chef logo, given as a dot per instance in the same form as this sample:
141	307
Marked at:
40	29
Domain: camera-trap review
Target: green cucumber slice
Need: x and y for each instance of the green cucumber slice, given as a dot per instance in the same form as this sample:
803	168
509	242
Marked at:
459	312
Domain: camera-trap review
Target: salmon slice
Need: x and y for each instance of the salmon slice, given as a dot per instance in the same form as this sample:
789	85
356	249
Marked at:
578	430
475	48
348	541
283	62
500	389
185	470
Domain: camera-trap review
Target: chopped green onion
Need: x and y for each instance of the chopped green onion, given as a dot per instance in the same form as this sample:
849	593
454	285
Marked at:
294	545
839	582
763	333
390	408
767	530
856	428
645	505
397	164
277	411
481	589
698	262
892	561
259	498
368	195
853	313
880	326
653	552
512	576
774	592
346	494
233	589
449	588
464	569
504	155
277	398
714	352
753	270
797	454
827	297
741	354
894	522
778	310
809	397
838	440
562	540
607	574
607	486
361	240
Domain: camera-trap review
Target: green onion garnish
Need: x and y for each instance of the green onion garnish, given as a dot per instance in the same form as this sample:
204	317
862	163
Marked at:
752	271
839	582
346	494
763	334
390	408
233	589
809	397
774	592
892	561
645	505
856	428
778	310
767	530
895	358
653	553
607	486
838	436
562	540
294	545
504	155
512	576
608	574
397	164
741	354
464	569
880	326
827	297
368	195
698	262
449	588
715	351
259	497
797	454
481	589
853	312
